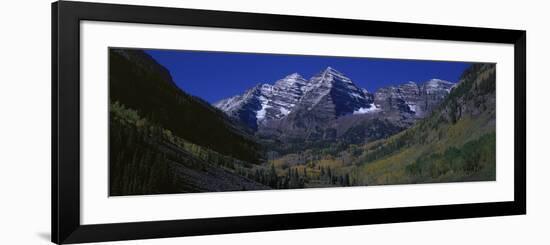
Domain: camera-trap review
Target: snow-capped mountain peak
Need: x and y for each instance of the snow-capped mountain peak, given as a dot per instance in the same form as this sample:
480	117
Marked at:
332	75
293	80
265	102
331	88
434	85
294	76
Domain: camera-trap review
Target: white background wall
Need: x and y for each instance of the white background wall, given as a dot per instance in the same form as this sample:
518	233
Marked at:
25	121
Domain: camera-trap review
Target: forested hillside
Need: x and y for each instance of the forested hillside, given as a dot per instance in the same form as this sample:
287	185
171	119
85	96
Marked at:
163	140
137	81
456	143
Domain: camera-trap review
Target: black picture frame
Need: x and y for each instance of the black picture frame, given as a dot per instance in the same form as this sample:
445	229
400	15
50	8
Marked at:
66	18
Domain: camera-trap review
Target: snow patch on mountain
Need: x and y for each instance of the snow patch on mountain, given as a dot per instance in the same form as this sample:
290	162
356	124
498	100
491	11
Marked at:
356	95
412	107
264	102
284	111
365	110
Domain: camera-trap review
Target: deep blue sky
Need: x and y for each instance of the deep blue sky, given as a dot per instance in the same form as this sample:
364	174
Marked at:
218	75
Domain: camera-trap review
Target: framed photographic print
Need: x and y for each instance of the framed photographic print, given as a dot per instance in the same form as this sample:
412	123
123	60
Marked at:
175	122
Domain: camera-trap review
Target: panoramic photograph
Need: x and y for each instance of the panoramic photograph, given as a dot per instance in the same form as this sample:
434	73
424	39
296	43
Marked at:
202	121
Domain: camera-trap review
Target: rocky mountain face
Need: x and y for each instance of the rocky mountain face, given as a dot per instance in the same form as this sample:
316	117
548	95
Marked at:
414	99
332	93
330	106
265	102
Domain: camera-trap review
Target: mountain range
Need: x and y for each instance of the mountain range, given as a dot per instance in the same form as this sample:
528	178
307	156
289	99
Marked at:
330	106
